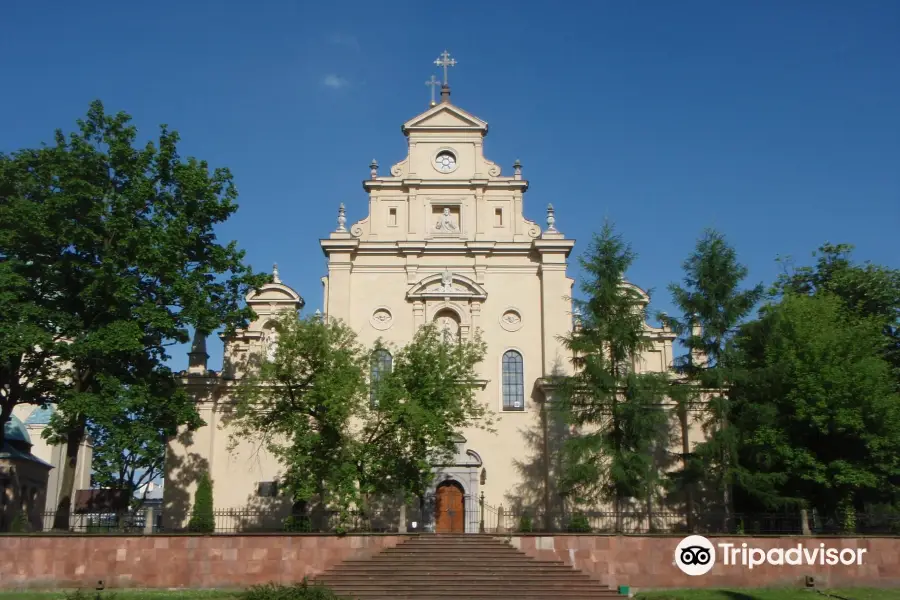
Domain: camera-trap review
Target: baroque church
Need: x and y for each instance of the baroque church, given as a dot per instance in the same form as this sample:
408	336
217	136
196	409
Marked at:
446	240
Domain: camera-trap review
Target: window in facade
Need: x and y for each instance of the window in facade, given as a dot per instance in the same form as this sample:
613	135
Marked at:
382	362
513	381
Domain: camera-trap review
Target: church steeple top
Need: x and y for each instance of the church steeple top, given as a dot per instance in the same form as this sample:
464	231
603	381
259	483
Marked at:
445	61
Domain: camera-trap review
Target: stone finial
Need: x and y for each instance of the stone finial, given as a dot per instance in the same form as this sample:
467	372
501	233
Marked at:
551	219
198	357
373	168
517	169
275	277
342	218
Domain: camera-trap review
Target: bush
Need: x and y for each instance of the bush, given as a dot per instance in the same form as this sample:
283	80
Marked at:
298	524
300	591
525	524
20	523
202	519
579	524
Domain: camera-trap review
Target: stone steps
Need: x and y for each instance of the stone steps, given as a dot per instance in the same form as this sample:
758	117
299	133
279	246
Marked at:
465	567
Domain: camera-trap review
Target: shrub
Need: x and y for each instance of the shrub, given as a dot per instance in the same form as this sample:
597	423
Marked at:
298	524
579	524
525	524
300	591
202	519
20	523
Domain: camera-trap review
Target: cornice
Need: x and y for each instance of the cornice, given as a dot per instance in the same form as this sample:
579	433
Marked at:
397	184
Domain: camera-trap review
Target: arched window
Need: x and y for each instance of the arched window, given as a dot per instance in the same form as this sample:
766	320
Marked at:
513	381
382	362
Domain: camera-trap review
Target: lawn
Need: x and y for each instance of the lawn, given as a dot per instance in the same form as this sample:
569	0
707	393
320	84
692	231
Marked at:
772	594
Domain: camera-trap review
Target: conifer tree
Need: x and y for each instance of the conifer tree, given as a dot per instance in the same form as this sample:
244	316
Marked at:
712	304
618	413
202	518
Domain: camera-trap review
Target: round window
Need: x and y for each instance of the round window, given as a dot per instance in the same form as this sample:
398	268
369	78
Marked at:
445	161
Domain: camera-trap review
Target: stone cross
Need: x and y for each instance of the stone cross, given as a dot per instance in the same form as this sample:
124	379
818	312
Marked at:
433	83
445	61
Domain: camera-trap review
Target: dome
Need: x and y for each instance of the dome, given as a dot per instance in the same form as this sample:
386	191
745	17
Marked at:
14	431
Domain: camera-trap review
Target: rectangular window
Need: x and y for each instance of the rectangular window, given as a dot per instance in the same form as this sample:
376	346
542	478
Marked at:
498	217
392	217
267	489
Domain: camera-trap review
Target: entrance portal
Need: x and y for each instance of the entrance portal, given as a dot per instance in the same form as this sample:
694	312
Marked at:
450	508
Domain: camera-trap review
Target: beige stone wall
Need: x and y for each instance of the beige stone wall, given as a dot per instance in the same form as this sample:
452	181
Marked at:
385	279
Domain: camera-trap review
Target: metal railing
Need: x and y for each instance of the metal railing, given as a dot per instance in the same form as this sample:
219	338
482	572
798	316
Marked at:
469	514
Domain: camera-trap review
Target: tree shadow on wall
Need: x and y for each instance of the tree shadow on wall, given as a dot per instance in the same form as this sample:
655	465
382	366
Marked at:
538	494
183	470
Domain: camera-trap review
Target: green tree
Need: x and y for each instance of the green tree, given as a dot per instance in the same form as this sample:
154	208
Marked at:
712	305
130	435
109	251
426	399
311	407
303	407
203	518
619	412
866	289
816	407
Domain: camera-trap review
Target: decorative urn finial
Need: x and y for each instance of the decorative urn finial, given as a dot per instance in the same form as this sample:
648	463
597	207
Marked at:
275	277
517	169
342	218
551	220
373	168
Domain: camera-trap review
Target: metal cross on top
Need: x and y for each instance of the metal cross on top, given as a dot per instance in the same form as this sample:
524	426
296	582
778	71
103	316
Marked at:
433	82
445	61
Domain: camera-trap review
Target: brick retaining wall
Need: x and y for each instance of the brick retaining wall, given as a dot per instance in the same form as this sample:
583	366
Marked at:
229	561
647	562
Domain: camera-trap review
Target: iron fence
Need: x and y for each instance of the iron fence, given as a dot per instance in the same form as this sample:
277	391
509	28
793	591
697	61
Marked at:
469	514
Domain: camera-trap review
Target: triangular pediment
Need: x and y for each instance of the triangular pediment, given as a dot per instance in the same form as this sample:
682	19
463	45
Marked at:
444	117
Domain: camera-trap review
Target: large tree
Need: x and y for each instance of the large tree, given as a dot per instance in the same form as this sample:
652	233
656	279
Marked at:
712	301
866	289
117	244
341	435
419	407
618	411
816	408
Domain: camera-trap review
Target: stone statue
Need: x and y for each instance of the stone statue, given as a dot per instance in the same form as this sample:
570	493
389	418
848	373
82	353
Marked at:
446	281
271	345
446	222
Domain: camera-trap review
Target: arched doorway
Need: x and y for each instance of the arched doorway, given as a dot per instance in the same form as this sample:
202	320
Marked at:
450	508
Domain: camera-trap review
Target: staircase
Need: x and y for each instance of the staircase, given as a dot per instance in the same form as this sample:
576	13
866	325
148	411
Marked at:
459	566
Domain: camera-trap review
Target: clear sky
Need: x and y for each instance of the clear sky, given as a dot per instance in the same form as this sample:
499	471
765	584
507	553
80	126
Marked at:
776	122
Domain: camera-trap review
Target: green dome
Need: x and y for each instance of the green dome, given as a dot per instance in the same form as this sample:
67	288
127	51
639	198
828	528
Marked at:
14	431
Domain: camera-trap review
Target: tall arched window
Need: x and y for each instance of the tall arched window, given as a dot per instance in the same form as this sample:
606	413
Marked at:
513	381
382	362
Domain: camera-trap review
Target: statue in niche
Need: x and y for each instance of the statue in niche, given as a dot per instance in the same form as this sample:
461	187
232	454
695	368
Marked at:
270	341
448	327
445	223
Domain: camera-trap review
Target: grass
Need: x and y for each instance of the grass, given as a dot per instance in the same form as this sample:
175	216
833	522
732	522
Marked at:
771	594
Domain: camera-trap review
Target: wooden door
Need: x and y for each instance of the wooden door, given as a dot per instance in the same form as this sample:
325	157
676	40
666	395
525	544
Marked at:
450	514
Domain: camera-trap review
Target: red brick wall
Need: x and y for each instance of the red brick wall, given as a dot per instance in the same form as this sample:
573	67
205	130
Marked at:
648	562
221	561
231	561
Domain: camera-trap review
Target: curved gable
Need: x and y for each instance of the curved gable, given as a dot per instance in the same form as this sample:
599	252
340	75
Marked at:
432	287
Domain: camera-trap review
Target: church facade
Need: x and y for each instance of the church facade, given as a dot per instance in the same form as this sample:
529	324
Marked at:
446	240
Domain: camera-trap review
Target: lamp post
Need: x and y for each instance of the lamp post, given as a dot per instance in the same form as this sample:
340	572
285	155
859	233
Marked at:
483	480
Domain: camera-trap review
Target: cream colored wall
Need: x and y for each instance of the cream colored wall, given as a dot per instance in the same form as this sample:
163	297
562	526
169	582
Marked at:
55	455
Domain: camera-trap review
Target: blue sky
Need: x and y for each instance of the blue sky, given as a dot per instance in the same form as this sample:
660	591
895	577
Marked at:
776	122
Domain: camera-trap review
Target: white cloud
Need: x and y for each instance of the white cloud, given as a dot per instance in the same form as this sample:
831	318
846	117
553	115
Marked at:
335	81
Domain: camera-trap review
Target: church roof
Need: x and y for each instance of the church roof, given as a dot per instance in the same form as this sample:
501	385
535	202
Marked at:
41	415
14	431
444	117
